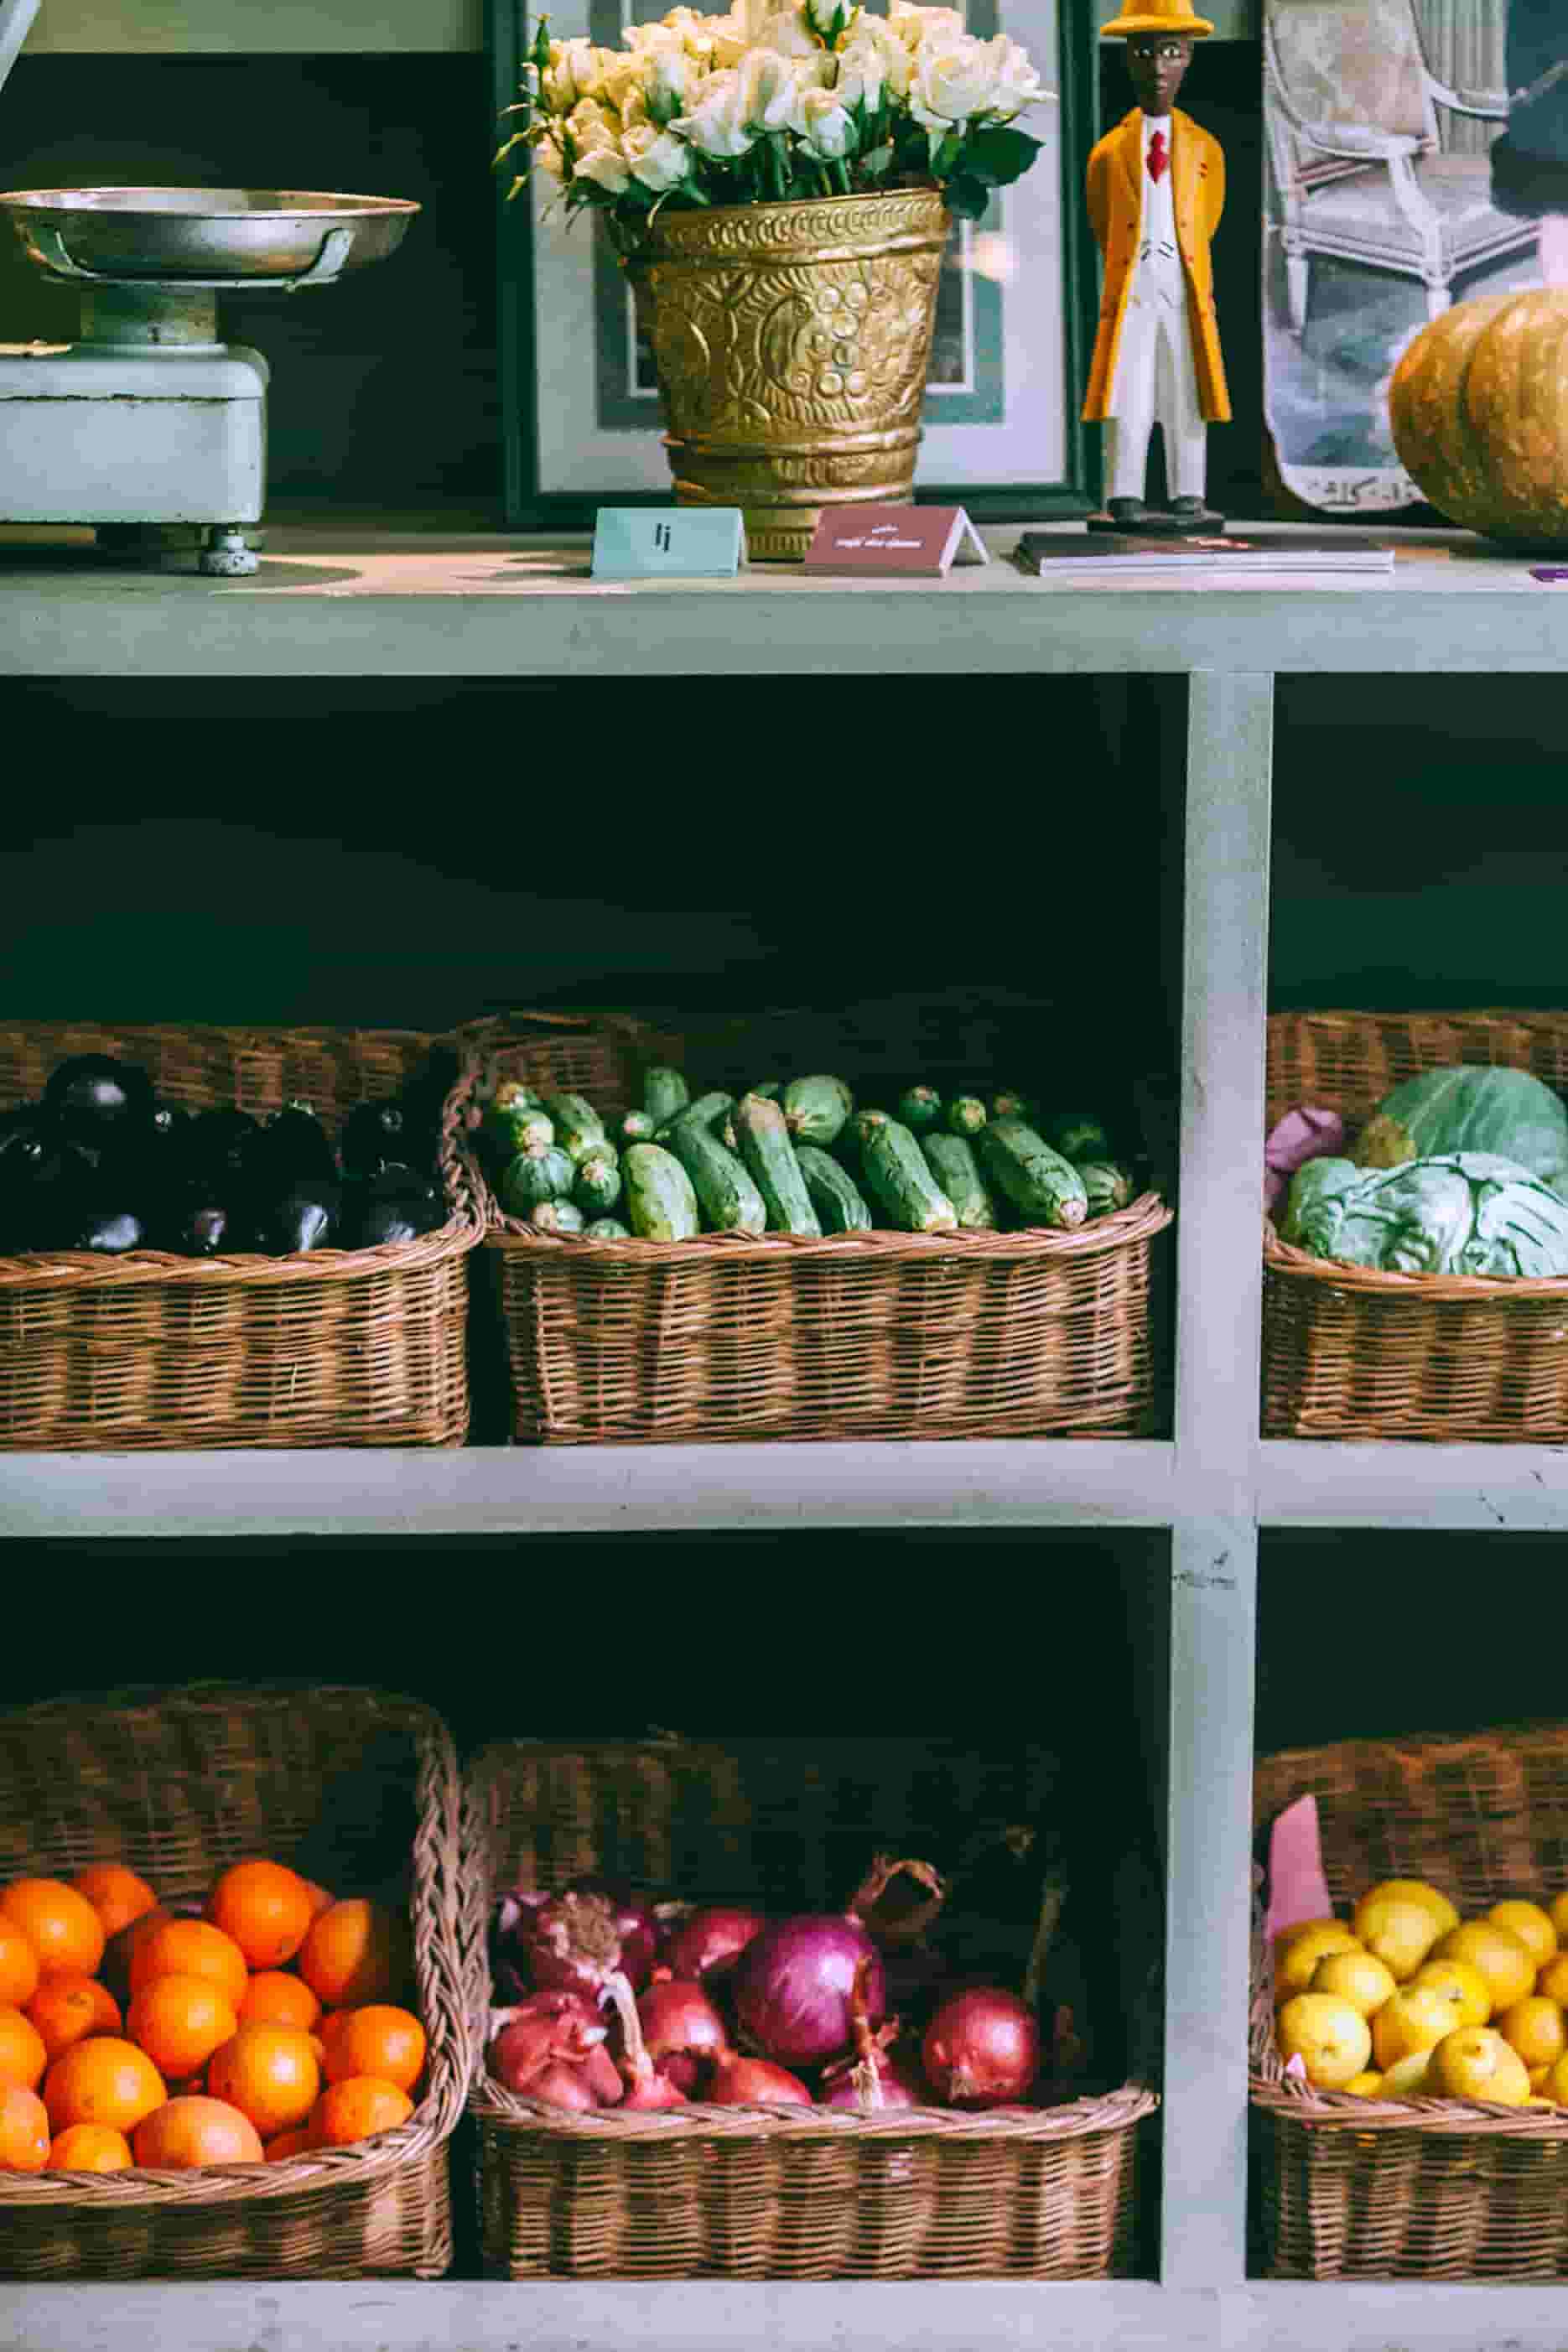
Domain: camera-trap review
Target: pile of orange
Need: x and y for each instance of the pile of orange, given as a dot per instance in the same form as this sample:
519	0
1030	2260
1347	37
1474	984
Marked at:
132	2034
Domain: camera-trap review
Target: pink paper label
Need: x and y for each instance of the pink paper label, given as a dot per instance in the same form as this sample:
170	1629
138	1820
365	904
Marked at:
1297	1889
881	538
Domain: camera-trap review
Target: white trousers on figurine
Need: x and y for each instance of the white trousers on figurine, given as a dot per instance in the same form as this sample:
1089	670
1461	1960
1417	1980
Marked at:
1156	383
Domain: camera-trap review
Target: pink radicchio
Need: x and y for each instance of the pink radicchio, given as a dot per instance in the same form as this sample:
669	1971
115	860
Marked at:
1304	1133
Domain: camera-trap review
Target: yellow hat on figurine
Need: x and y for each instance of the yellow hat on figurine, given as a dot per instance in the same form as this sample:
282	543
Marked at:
1156	16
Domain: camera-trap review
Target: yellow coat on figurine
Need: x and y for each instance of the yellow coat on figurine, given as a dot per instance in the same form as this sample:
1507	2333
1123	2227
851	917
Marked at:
1116	212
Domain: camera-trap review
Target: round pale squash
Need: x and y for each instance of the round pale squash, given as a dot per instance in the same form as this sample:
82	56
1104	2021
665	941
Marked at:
1478	407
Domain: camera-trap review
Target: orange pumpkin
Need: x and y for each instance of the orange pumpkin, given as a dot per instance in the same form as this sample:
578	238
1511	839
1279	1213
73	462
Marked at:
1479	408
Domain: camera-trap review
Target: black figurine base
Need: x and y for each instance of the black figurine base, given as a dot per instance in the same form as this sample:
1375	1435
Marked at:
1183	519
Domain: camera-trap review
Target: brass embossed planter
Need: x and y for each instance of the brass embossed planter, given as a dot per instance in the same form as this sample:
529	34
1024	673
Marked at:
792	342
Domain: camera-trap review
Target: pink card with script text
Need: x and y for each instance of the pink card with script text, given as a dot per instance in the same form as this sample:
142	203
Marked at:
919	542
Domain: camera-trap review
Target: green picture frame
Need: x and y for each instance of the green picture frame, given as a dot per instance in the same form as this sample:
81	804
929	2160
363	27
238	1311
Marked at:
971	399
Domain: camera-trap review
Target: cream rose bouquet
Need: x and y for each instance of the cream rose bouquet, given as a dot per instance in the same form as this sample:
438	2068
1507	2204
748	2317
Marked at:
771	103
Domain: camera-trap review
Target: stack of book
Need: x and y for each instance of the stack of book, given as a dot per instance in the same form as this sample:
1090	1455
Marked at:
1230	556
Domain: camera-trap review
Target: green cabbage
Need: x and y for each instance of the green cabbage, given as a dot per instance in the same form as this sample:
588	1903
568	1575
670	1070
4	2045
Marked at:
1466	1108
1452	1212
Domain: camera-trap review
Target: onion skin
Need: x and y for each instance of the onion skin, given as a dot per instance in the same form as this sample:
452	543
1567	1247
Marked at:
683	2031
562	2086
636	1924
982	2049
602	2078
570	1944
741	2082
548	2028
710	1941
798	1984
898	2082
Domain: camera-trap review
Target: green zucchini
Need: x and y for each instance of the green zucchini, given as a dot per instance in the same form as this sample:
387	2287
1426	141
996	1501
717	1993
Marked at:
543	1173
770	1089
661	1204
1077	1135
607	1229
834	1193
967	1115
899	1174
952	1160
1044	1188
597	1188
768	1152
1107	1186
638	1126
730	1202
664	1093
559	1217
706	1110
578	1127
919	1107
816	1109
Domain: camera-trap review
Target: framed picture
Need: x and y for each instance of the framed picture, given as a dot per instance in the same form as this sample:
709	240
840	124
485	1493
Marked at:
1016	311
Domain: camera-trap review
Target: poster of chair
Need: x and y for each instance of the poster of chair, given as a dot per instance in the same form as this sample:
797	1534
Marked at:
1380	209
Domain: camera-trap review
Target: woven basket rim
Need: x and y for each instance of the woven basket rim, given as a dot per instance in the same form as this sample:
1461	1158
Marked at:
434	1913
498	2109
91	1269
1269	2085
1288	1262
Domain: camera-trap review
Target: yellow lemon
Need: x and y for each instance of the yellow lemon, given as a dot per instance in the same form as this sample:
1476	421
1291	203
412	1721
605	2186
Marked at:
1460	1983
1553	1979
1416	2017
1407	2076
1499	1956
1298	1950
1475	2062
1356	1976
1537	2075
1532	1925
1398	1932
1556	2084
1367	2086
1332	2038
1534	2101
1557	1910
1409	1890
1534	2027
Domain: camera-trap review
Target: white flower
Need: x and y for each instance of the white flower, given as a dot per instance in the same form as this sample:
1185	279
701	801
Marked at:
1018	83
670	84
822	13
873	39
620	82
717	124
547	153
774	88
591	127
658	158
915	27
861	75
605	167
573	73
956	79
829	130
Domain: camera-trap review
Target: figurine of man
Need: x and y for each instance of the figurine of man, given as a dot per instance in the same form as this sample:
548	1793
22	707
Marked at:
1156	190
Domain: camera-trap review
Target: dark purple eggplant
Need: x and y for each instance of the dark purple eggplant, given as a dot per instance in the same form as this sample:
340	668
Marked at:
375	1135
289	1148
395	1206
93	1093
220	1140
105	1227
302	1218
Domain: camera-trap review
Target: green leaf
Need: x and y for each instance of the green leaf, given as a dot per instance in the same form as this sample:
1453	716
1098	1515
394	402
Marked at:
968	198
999	154
875	163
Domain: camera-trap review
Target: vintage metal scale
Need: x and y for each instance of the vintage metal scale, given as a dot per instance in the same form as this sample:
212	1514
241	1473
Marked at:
148	422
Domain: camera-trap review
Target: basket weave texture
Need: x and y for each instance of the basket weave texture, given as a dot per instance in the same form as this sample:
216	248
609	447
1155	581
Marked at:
1417	2188
179	1784
760	2192
321	1347
864	1335
1353	1352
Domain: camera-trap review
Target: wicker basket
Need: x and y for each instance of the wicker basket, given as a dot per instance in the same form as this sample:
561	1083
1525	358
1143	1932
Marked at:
322	1348
866	1335
756	2192
1417	2188
1353	1352
178	1784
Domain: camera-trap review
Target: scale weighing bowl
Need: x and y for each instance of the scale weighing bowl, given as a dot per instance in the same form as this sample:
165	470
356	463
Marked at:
166	234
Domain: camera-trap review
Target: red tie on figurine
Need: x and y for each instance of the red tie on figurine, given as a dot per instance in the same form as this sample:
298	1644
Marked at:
1158	159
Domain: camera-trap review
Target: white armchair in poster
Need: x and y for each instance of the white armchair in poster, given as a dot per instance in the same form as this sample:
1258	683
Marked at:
1379	213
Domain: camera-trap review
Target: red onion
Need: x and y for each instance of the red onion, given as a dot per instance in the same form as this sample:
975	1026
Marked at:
982	2048
710	1941
754	2082
563	2086
645	2086
682	2030
570	1944
602	2078
509	1959
547	2028
886	2079
796	1985
636	1924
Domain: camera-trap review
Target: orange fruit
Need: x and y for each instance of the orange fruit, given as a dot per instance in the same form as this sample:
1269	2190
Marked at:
23	2057
180	2021
356	1952
274	1997
24	2130
116	1893
122	1947
20	1970
283	2144
386	2043
319	1899
102	2080
191	1947
270	2072
61	1926
265	1907
186	2133
68	2007
357	2108
90	2148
